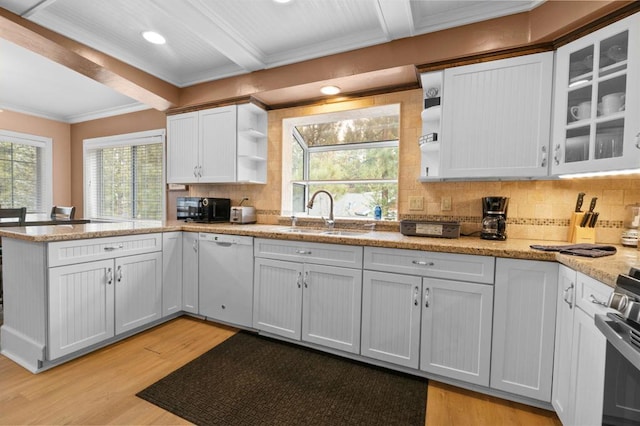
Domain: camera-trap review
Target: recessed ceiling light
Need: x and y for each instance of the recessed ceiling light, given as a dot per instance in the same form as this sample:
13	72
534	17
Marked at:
330	90
153	37
282	1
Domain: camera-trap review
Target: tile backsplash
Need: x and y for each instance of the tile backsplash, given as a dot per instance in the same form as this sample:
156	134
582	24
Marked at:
537	209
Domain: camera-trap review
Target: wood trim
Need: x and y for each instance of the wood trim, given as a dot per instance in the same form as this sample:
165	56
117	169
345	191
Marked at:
599	23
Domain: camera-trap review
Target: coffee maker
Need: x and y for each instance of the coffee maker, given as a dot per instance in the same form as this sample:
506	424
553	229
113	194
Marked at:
494	218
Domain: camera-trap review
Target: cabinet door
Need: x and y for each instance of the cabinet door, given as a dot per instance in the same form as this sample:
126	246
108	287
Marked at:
138	297
597	101
331	304
588	362
190	272
561	396
496	118
171	273
277	297
391	317
456	330
524	324
182	148
81	299
218	144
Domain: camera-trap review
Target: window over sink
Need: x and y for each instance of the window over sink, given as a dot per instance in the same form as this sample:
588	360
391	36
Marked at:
352	154
123	176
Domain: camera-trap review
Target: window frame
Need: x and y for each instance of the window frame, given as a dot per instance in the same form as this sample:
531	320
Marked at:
46	144
291	135
147	137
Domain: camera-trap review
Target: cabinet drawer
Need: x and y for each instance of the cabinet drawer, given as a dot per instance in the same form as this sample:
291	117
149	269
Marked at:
589	293
301	251
463	267
78	251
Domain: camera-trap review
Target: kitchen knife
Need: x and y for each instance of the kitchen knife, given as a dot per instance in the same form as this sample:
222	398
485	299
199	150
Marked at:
579	202
593	204
593	220
585	219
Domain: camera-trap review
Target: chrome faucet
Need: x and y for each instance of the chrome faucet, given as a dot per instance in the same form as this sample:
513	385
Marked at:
329	222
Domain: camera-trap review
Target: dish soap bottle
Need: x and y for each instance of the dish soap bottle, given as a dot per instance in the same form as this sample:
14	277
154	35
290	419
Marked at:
377	212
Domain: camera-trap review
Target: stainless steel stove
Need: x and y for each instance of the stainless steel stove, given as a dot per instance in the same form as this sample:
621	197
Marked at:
622	369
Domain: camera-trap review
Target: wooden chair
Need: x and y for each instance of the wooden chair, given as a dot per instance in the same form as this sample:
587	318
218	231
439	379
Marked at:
60	212
18	214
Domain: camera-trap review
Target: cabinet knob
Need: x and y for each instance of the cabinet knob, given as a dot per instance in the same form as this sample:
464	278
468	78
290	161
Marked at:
556	154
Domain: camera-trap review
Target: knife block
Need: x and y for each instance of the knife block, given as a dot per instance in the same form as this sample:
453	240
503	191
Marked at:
574	223
578	234
584	235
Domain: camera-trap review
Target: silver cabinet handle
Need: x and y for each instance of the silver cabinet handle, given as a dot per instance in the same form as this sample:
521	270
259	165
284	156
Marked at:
303	251
544	156
566	295
119	274
422	263
556	154
299	280
109	276
416	292
595	300
112	248
306	279
426	297
638	140
195	171
195	245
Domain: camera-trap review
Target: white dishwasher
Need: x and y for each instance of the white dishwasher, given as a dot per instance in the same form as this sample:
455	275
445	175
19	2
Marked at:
226	278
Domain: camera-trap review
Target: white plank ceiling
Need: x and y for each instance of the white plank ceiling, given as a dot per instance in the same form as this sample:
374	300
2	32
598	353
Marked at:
207	40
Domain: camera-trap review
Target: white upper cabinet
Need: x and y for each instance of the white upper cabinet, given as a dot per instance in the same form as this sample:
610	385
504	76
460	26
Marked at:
225	144
597	101
495	119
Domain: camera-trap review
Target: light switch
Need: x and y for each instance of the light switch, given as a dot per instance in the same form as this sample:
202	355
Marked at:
416	203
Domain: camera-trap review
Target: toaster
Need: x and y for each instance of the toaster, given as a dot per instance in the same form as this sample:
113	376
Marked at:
243	214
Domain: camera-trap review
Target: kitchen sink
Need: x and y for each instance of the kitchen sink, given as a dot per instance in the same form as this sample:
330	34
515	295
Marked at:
344	233
315	231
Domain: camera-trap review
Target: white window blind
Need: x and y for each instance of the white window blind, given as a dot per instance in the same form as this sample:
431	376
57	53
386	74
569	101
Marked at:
124	176
25	171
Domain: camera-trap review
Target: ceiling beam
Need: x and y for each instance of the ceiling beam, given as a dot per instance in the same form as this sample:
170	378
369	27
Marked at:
37	8
111	72
203	20
396	18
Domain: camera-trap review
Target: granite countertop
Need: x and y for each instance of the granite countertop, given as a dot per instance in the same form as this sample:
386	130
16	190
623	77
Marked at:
604	269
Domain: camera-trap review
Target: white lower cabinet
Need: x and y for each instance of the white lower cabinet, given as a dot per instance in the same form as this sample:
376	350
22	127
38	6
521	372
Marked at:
190	290
309	301
171	273
524	321
89	302
456	330
578	383
419	313
391	317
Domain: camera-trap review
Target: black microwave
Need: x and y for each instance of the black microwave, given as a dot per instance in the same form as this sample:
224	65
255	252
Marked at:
203	209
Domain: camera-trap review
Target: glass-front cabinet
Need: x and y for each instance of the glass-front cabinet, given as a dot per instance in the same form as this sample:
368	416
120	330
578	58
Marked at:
597	101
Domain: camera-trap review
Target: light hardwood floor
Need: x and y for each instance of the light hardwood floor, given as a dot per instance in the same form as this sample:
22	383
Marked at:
100	388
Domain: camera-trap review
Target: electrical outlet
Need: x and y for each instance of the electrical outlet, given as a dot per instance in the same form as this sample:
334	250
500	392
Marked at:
445	203
416	203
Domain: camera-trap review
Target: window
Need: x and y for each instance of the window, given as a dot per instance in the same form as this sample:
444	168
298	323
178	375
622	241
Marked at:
124	176
25	172
352	154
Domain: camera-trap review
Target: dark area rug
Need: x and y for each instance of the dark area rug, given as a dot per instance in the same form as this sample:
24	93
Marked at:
252	380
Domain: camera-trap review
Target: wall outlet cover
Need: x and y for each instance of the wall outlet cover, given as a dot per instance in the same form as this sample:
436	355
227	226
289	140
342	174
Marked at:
445	203
416	203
